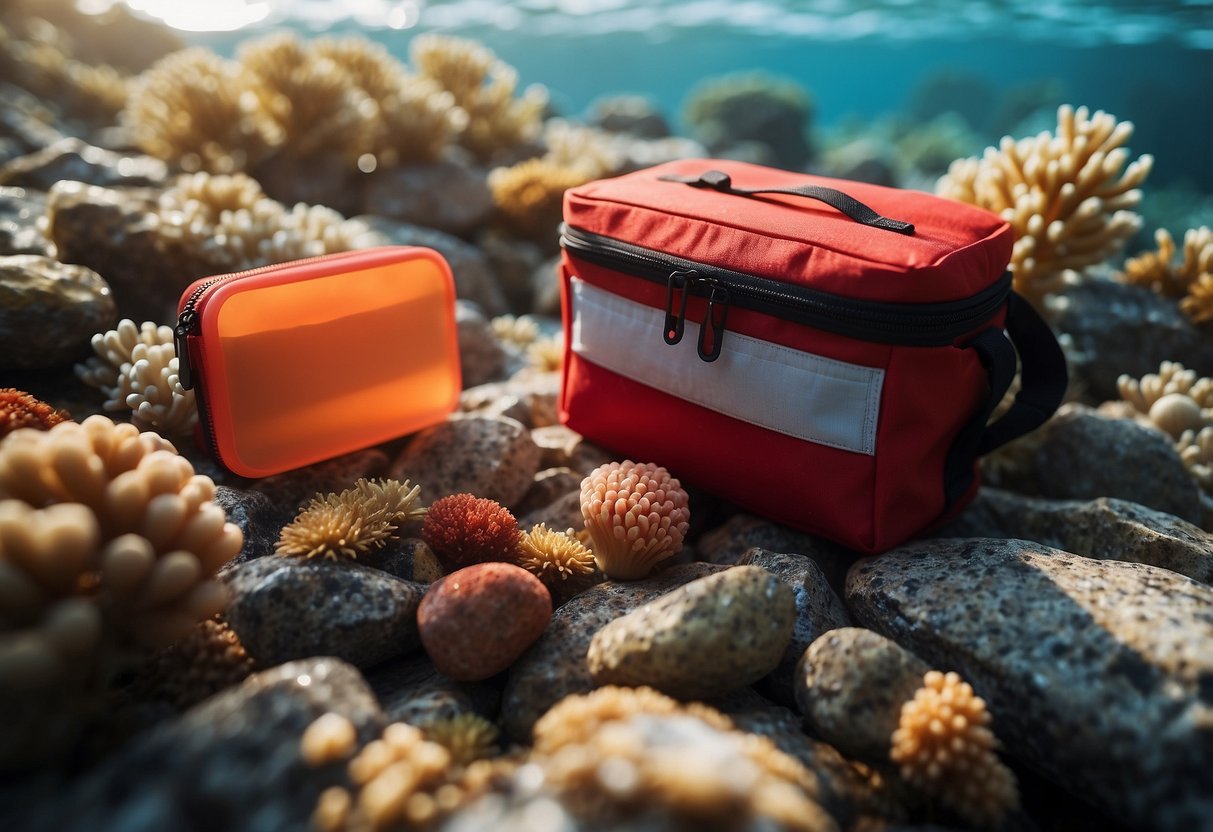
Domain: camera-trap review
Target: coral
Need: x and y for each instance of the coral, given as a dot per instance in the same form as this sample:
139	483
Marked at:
752	108
401	782
209	659
1194	274
19	409
330	738
594	153
559	560
190	108
547	354
636	514
115	349
1174	399
463	529
945	747
530	196
621	754
353	522
520	332
1068	197
1196	450
468	737
483	87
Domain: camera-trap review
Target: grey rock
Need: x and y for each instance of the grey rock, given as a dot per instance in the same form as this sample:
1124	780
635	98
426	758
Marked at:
331	179
742	532
492	458
634	114
75	159
288	608
20	210
1106	529
550	485
707	638
258	518
1084	456
412	690
555	665
562	513
850	686
232	762
481	356
514	263
474	278
545	288
818	609
25	121
1097	672
565	448
410	559
49	311
443	195
532	397
292	490
1115	328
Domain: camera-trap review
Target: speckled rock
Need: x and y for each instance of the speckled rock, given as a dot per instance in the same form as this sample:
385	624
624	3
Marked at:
410	689
555	665
1084	456
332	180
492	458
292	490
513	262
550	485
289	608
481	356
443	195
565	448
562	513
477	620
1106	529
474	277
536	392
19	213
258	518
410	559
709	637
850	686
1116	328
818	609
49	311
545	287
742	532
233	762
1097	672
77	160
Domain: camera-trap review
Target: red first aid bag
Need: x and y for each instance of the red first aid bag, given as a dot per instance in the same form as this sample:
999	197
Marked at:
824	353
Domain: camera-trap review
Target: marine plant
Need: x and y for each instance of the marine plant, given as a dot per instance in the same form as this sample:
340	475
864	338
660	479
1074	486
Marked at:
636	515
463	529
467	737
1068	196
945	747
352	523
558	559
19	409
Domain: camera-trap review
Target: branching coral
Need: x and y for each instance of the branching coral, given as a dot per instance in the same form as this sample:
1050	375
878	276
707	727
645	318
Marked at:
468	737
945	747
623	753
1197	270
530	196
519	331
209	659
560	560
19	409
353	522
463	529
636	515
1174	400
483	87
1196	450
1068	197
546	355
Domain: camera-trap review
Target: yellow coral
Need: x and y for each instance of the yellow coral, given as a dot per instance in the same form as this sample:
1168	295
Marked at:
468	737
547	354
521	331
1194	273
560	560
1067	196
353	522
530	196
945	747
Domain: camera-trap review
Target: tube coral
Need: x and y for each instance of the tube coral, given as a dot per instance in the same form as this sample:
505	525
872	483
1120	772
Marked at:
945	747
19	409
1069	197
351	523
636	515
463	529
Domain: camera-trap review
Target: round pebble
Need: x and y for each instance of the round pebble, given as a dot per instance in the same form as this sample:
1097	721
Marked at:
475	622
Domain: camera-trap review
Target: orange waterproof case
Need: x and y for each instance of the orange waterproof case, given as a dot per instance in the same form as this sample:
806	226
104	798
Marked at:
299	362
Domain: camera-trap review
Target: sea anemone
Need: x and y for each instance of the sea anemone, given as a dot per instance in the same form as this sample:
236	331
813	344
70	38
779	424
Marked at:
560	560
1068	197
330	738
945	747
209	659
636	515
463	529
351	523
467	737
19	409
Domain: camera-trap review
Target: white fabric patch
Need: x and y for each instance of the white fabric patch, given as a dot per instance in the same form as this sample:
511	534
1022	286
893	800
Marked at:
793	392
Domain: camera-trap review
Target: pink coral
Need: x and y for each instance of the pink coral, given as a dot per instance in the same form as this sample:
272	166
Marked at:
636	515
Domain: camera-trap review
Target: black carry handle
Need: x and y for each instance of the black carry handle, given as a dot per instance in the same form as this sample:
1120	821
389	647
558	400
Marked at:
849	205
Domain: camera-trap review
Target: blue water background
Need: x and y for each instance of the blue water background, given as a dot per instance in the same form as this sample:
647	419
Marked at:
1151	63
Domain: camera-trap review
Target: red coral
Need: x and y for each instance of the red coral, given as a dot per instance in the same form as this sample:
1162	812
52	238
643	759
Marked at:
19	409
463	529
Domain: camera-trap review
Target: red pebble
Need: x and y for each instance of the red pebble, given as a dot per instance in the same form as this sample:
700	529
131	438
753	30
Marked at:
475	622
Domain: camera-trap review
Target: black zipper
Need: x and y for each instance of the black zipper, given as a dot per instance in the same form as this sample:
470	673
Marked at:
906	324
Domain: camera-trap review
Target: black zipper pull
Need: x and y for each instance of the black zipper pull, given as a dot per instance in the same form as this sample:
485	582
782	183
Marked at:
714	318
677	281
185	373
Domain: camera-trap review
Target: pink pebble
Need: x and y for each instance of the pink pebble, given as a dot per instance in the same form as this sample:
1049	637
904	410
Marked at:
475	622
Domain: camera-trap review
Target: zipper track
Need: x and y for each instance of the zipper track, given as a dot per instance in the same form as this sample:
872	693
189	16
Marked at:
928	324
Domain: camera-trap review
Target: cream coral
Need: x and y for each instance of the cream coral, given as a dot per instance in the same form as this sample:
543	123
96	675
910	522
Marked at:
636	515
353	522
1069	196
